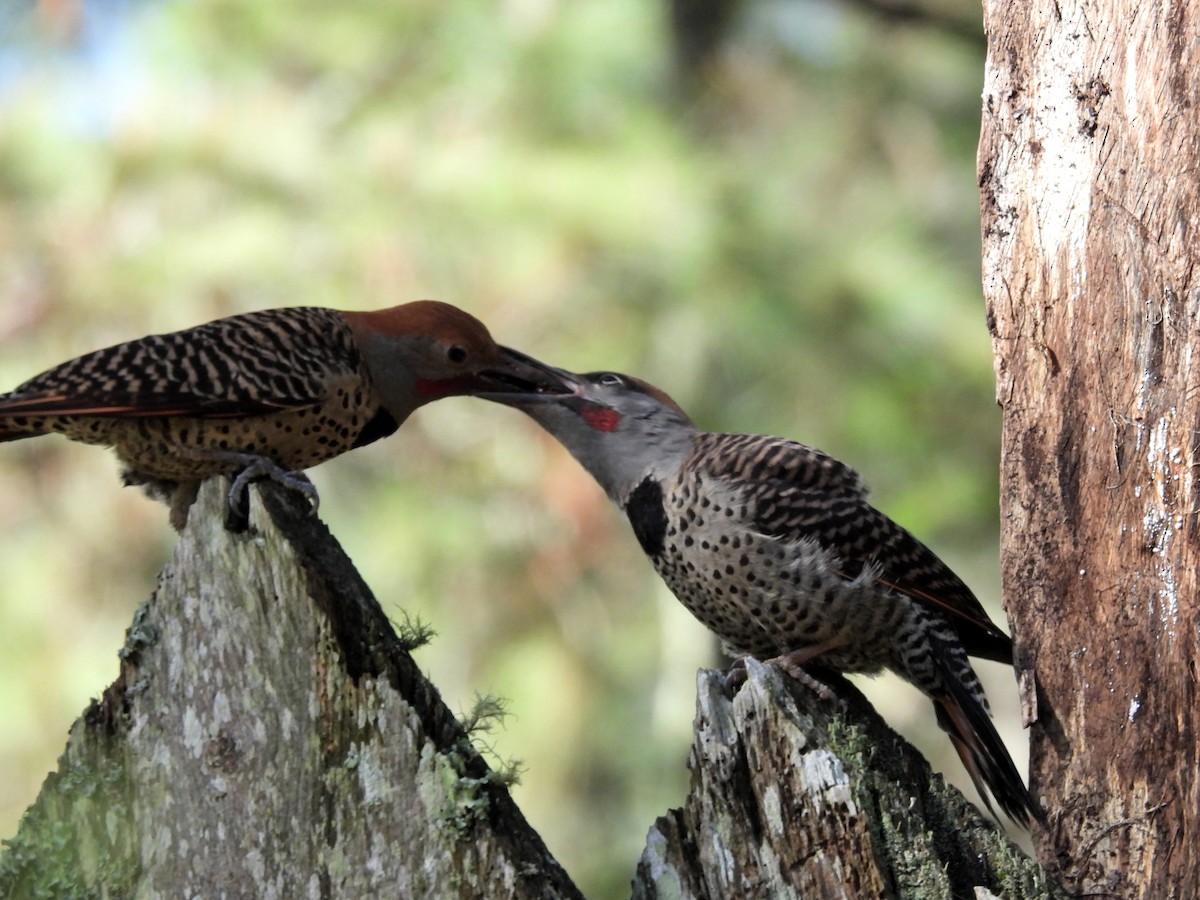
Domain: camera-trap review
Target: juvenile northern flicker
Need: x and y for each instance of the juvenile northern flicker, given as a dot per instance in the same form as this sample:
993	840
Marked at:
264	394
774	547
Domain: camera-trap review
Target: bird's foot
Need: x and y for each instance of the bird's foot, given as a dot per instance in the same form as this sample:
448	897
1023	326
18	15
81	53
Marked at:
254	468
736	676
793	664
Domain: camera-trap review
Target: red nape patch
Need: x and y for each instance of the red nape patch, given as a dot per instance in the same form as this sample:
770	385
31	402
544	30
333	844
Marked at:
601	417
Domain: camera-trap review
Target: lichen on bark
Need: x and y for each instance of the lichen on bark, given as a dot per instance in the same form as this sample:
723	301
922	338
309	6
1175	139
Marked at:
793	796
268	735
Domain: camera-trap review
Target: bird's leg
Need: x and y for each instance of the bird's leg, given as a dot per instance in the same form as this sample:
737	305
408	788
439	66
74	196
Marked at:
790	663
793	662
786	664
254	468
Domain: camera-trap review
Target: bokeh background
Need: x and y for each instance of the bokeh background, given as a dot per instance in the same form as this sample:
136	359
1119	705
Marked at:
768	207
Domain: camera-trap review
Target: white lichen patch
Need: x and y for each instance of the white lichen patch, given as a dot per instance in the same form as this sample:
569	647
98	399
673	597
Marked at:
1135	706
374	786
663	875
822	771
1161	522
193	732
287	724
772	809
221	712
1067	158
723	855
1168	594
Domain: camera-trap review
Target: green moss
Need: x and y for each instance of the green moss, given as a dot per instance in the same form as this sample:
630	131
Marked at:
927	865
66	846
487	714
849	740
412	631
465	799
471	767
1020	876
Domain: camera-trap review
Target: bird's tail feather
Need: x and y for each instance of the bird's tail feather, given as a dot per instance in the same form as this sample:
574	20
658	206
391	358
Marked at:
984	755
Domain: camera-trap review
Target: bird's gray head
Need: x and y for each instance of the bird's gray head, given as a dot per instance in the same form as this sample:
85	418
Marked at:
620	428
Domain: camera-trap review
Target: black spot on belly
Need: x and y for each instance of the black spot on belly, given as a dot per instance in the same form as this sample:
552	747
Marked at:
647	516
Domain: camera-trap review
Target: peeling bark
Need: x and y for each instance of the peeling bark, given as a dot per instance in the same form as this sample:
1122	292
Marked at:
269	736
1090	212
790	800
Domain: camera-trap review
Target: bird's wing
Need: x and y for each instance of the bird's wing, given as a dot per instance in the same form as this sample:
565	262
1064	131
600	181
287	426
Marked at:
243	365
796	492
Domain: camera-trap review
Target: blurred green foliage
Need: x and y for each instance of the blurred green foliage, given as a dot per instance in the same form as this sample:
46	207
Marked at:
788	245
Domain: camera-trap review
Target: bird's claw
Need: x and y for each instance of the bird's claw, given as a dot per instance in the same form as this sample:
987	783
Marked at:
736	676
254	469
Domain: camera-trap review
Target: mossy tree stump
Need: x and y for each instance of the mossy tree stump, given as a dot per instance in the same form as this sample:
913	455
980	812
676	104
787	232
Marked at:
270	736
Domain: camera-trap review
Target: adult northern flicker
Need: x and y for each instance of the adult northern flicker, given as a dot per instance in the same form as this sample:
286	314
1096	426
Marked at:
264	394
774	547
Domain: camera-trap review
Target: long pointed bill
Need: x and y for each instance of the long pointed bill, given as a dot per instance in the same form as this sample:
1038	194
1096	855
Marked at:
526	380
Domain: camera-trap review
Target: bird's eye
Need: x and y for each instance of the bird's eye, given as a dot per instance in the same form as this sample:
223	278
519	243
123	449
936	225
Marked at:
456	354
609	379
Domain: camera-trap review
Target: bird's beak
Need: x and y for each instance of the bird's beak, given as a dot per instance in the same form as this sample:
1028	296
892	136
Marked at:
520	379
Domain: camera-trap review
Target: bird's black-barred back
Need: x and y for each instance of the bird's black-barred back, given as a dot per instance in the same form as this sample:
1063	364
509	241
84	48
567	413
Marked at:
252	363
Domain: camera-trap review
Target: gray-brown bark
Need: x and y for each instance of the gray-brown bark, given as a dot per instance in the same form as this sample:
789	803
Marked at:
269	736
1091	210
795	797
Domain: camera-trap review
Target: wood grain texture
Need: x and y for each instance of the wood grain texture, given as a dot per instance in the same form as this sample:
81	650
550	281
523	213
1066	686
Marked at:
268	736
796	797
1090	211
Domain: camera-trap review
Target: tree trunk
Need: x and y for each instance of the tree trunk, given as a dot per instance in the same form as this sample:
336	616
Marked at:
1089	196
269	736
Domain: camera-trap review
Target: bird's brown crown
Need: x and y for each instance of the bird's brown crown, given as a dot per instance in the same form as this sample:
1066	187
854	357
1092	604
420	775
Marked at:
658	394
433	319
